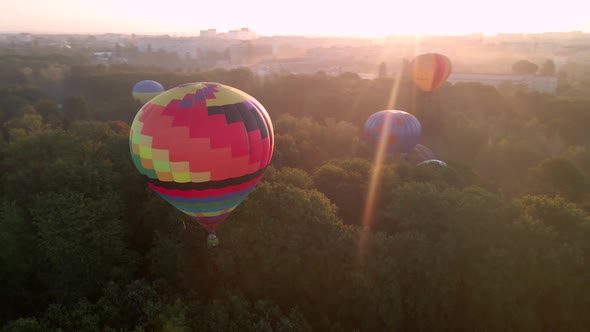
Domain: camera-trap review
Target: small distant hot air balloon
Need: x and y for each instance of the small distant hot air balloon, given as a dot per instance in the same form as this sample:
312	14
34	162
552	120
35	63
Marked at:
430	70
433	162
145	90
202	147
403	130
419	154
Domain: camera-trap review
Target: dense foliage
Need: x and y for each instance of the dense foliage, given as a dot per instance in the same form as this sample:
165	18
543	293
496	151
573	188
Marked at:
498	240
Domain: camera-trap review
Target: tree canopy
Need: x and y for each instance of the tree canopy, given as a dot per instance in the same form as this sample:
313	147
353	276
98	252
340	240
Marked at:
496	240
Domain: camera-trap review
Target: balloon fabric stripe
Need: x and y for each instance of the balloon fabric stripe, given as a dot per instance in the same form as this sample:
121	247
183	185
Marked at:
439	66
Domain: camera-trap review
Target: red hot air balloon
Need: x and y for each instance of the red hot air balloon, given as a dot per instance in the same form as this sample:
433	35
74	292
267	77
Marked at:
430	70
202	147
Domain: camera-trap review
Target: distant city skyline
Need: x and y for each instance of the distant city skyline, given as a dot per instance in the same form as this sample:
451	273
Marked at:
302	17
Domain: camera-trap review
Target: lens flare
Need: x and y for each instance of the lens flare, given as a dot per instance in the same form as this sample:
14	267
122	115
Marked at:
380	155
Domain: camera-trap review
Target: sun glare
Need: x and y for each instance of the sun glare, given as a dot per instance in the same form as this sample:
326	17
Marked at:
304	17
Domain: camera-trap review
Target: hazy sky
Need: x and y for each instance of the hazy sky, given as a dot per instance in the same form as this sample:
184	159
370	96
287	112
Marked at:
285	17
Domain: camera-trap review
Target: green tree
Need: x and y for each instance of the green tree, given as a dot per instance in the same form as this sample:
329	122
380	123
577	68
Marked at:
241	78
18	263
235	313
382	71
563	216
24	325
345	182
75	109
302	227
548	68
290	176
27	124
524	67
304	143
558	176
442	241
551	247
14	99
349	76
81	242
50	112
406	209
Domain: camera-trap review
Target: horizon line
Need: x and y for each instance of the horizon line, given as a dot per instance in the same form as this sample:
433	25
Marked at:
257	35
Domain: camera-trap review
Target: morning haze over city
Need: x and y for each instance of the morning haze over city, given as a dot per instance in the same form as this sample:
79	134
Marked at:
482	38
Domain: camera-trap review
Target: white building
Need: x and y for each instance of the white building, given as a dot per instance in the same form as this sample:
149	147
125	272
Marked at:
210	33
103	58
546	84
574	56
242	34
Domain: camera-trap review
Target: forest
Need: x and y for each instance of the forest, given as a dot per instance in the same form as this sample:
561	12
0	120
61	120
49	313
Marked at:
499	240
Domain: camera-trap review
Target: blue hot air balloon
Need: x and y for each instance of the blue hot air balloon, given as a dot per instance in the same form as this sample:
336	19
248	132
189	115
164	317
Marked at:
145	90
403	130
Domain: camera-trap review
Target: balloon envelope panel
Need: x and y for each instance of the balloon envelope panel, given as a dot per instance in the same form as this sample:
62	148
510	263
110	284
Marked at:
202	147
403	130
430	70
146	90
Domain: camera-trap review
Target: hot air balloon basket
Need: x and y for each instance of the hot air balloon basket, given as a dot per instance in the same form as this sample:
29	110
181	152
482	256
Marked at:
212	240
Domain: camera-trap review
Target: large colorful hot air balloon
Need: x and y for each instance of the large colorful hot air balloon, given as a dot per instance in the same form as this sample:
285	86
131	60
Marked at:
402	129
202	147
419	154
430	70
145	90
